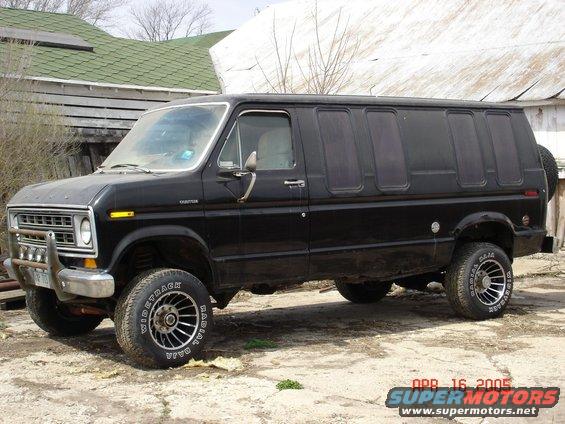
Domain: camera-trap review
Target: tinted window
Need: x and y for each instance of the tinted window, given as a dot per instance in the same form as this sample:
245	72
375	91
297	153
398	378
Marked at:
387	149
467	149
425	134
506	155
268	134
343	171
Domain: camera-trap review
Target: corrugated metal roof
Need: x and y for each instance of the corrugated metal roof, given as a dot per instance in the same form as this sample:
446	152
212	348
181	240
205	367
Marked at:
460	49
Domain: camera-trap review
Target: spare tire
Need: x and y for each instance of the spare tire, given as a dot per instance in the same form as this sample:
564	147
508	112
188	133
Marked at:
551	170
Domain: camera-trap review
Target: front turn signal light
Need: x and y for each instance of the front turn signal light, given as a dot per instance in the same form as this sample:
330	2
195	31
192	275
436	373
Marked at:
122	214
90	263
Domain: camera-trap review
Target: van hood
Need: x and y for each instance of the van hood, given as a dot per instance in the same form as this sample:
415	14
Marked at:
79	191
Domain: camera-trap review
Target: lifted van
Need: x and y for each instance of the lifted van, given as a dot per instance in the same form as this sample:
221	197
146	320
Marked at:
211	195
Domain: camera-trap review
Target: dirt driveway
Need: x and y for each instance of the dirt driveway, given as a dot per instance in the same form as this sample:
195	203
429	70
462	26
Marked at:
346	356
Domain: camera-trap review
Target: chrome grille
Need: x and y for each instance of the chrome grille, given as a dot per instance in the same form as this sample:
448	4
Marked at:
60	224
62	239
64	221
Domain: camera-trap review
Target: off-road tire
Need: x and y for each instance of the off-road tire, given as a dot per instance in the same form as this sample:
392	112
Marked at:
50	315
135	305
551	170
368	292
461	278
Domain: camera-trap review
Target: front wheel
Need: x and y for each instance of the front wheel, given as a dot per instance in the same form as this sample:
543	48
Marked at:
54	317
478	283
368	292
163	318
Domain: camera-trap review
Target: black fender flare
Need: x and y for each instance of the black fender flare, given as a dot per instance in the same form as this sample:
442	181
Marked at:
483	217
155	232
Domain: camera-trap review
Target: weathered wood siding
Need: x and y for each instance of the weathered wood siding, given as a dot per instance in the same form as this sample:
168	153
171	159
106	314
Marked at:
100	116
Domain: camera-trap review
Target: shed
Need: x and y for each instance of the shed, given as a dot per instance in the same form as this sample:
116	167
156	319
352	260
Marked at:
104	83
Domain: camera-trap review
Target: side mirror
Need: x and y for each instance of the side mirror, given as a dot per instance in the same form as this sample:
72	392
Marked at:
226	174
251	162
249	168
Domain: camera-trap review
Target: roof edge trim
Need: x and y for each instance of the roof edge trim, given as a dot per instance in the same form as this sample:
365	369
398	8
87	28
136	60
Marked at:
112	85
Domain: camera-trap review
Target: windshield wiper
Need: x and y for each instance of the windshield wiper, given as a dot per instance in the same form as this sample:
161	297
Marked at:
131	166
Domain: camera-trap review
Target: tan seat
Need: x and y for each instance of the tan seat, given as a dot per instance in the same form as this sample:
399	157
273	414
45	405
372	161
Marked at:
274	150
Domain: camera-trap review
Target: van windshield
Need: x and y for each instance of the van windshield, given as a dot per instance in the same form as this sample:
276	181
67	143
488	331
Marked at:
173	139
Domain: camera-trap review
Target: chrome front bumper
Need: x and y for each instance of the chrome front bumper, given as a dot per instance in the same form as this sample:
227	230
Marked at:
67	283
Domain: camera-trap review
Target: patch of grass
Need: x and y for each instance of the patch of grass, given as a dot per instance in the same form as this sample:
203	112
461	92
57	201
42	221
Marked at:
260	344
289	385
3	325
165	410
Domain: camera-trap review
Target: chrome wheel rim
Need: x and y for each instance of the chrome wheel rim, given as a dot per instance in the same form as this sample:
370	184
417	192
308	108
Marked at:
490	282
174	320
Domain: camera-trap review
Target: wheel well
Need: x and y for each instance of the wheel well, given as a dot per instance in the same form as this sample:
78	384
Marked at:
491	232
165	252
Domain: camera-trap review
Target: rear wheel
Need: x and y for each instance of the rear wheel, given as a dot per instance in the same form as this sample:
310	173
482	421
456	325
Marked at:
163	318
368	292
54	317
478	283
551	170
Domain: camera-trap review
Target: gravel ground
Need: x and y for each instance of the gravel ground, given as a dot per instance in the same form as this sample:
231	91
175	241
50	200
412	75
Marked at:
345	356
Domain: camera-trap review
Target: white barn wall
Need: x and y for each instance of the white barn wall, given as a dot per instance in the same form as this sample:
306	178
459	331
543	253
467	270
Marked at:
548	124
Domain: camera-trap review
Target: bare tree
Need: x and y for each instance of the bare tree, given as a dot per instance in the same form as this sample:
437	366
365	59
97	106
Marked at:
168	19
94	11
282	81
325	66
35	143
39	5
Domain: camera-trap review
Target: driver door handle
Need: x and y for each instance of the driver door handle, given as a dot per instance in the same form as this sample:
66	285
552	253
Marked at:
295	183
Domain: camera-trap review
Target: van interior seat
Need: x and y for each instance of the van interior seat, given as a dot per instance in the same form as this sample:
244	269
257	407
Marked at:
274	150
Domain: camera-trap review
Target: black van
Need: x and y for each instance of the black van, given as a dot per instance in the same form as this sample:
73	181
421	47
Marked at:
207	196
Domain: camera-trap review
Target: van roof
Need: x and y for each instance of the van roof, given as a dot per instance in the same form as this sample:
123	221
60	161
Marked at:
339	100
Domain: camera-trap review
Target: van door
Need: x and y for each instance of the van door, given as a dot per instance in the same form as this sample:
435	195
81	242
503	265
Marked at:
265	238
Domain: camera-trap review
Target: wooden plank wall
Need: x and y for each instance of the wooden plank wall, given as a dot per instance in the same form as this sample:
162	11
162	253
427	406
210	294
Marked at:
100	116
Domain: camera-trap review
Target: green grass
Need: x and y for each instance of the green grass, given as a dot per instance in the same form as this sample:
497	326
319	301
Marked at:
260	344
3	325
289	385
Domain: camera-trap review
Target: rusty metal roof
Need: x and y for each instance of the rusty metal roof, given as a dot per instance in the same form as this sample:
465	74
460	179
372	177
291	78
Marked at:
457	49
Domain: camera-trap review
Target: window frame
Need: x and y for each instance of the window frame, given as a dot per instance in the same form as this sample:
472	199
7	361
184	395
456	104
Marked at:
236	123
383	188
347	110
507	114
452	111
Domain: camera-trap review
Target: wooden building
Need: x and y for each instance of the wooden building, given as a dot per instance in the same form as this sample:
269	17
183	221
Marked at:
103	83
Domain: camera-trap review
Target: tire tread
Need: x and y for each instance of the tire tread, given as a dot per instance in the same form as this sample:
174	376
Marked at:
124	316
456	278
41	306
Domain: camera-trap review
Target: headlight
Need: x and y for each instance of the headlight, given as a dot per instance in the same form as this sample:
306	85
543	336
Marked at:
85	231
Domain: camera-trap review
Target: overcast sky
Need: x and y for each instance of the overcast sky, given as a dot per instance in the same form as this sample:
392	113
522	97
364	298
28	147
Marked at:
227	14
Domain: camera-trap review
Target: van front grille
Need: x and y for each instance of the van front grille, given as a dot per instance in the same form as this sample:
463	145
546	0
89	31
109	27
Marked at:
60	224
62	239
50	221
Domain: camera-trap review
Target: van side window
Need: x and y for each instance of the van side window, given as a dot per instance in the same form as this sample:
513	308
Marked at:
268	134
470	167
505	152
388	153
230	156
343	171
